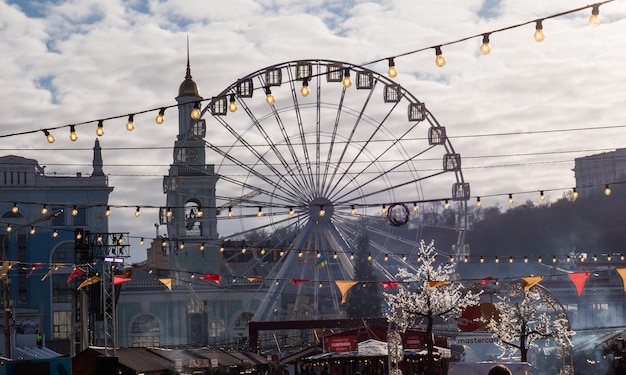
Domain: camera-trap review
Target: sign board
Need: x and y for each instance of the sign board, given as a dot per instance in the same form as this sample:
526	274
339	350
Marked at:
341	344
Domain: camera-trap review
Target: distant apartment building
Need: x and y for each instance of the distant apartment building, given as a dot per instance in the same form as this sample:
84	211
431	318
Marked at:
594	172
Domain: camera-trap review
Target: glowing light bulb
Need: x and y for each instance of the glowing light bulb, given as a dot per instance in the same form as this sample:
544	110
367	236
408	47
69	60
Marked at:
14	209
195	112
181	245
160	117
386	258
269	98
594	19
335	256
230	212
32	230
49	136
55	234
478	202
485	49
539	35
392	71
415	207
542	197
511	199
130	125
199	214
141	241
305	91
446	205
291	211
259	213
100	128
44	209
9	228
169	212
369	256
439	59
73	135
607	190
353	210
347	82
384	209
322	211
232	105
137	212
202	246
574	193
107	212
74	211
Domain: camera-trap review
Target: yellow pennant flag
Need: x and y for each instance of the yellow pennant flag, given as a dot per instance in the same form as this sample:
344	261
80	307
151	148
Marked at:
89	281
6	266
344	286
434	284
622	273
530	281
167	282
254	278
53	267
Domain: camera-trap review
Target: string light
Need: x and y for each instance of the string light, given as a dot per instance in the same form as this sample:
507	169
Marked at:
478	203
351	256
300	254
230	212
100	128
466	259
451	259
199	213
9	228
542	197
482	260
403	258
14	209
485	49
318	254
415	207
99	238
232	104
182	245
291	211
335	256
73	135
539	260
347	82
594	19
160	117
269	98
511	259
130	125
44	209
262	251
221	248
259	213
137	212
49	136
195	112
141	242
305	91
369	256
386	258
446	205
553	259
168	212
107	212
539	35
322	211
243	250
353	210
497	260
510	198
607	190
281	252
439	59
32	230
392	71
574	193
384	209
75	211
55	234
525	259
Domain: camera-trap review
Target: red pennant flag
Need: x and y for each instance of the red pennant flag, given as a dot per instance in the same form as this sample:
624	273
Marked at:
75	273
212	277
117	280
33	267
390	284
298	281
579	279
486	280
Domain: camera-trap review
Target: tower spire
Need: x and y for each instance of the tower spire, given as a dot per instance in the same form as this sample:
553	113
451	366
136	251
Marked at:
188	87
188	75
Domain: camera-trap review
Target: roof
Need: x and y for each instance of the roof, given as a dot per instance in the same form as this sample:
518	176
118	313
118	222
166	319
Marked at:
249	357
138	359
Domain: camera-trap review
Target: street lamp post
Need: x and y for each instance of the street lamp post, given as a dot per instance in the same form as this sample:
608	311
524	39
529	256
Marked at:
5	284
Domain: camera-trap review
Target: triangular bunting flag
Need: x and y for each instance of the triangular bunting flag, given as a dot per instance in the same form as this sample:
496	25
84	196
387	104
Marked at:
75	273
622	273
579	279
344	286
33	267
390	284
89	281
53	267
298	281
530	281
254	278
434	284
6	266
212	277
117	280
167	282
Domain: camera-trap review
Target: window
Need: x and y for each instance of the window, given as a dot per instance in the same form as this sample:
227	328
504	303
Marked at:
193	226
61	324
146	331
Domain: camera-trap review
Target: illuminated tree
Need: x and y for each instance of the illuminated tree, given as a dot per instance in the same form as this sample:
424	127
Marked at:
524	318
427	294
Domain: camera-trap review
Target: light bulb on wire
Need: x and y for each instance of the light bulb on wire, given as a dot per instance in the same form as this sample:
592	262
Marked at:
607	190
574	193
347	82
137	212
49	137
130	125
73	135
160	117
100	128
485	49
594	19
232	104
195	112
269	98
539	35
439	59
392	71
305	91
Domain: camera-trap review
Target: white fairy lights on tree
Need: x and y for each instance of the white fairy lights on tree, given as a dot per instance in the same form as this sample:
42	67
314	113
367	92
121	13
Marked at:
430	293
525	317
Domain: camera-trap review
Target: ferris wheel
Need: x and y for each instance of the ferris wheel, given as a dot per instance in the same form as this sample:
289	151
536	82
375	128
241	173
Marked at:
325	152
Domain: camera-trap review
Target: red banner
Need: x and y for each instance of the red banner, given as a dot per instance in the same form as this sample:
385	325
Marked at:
414	340
341	344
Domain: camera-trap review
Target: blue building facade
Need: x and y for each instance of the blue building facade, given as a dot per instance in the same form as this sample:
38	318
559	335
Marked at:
40	216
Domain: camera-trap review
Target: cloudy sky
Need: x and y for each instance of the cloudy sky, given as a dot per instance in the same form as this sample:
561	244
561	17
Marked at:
518	116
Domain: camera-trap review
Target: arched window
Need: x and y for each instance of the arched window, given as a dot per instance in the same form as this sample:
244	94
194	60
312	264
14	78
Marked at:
146	331
193	224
